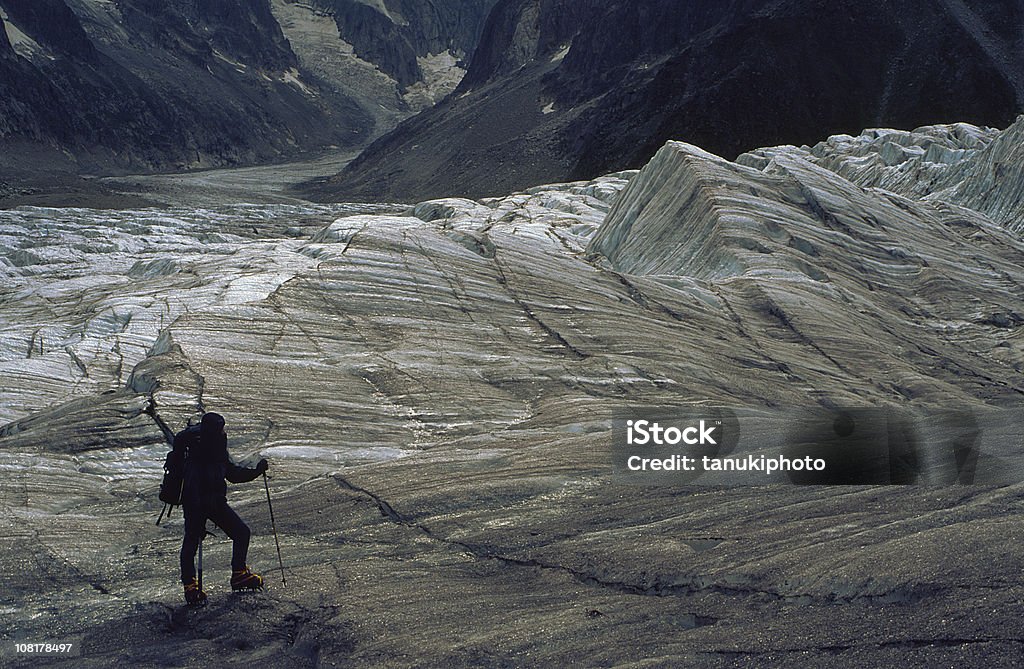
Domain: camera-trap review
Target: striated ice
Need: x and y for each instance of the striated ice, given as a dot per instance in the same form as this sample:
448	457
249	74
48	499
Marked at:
434	387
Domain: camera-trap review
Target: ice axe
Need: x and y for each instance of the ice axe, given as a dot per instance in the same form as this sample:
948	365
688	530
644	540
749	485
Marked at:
206	533
280	562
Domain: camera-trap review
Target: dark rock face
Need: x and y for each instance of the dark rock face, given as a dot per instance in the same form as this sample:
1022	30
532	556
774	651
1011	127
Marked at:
391	34
518	33
243	31
790	73
140	84
53	22
728	76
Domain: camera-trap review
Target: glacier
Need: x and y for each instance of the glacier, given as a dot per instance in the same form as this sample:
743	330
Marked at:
434	386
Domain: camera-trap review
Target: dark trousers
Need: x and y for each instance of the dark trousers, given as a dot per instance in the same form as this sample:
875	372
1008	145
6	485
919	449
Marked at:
226	519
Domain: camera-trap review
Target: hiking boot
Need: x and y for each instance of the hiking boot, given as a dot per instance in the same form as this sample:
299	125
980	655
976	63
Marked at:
193	595
244	579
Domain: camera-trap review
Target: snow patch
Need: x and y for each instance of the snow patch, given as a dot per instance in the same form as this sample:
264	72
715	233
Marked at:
23	45
561	54
241	67
441	76
382	7
291	76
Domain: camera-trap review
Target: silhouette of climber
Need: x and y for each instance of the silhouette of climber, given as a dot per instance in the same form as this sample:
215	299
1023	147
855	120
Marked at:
204	496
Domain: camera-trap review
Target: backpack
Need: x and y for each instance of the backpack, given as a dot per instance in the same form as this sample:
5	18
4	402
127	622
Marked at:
173	483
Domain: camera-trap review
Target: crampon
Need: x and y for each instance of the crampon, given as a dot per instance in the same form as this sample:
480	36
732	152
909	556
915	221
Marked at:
194	596
245	579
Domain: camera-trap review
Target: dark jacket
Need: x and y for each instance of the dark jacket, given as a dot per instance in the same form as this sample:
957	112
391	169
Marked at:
207	466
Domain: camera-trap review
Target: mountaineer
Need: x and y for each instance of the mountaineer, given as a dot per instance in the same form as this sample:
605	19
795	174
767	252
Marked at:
204	450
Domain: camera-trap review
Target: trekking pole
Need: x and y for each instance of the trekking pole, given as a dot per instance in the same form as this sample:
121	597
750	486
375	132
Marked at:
266	486
162	514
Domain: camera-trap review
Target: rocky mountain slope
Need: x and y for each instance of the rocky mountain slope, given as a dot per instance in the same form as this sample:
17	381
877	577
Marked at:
435	386
139	84
395	57
398	35
564	89
101	86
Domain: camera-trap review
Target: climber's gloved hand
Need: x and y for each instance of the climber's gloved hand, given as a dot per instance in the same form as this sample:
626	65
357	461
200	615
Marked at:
262	466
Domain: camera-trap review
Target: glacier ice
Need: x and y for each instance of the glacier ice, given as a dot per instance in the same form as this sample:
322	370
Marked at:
434	387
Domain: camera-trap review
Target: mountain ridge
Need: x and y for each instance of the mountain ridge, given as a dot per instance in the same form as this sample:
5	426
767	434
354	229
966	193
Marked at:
608	90
123	86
